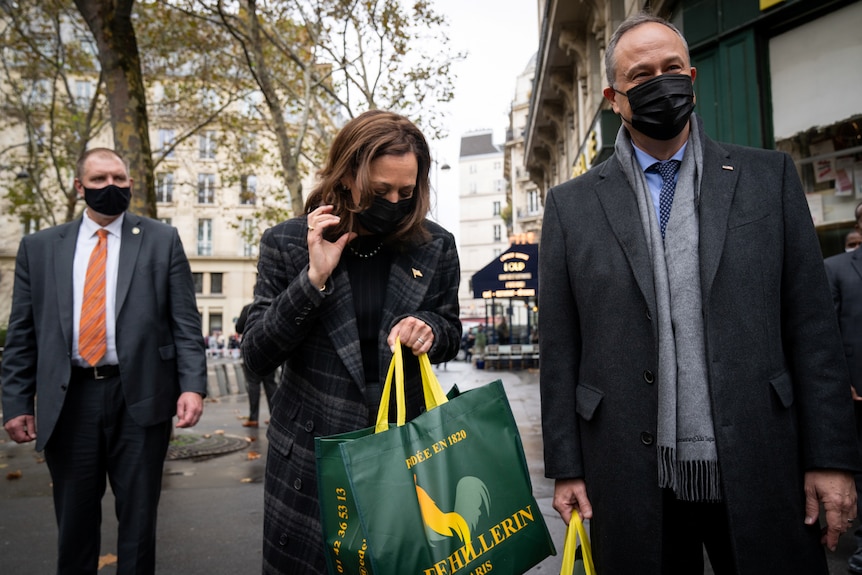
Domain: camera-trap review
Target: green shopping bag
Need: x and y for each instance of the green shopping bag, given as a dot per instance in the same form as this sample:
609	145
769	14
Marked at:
344	539
446	493
577	559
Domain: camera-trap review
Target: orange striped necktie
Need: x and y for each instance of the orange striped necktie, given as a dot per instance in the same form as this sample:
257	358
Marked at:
92	336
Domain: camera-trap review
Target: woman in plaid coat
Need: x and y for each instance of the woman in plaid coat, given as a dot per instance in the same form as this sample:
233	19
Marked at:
336	287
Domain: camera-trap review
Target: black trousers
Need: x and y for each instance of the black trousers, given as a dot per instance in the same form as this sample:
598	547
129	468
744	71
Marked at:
95	438
253	383
689	527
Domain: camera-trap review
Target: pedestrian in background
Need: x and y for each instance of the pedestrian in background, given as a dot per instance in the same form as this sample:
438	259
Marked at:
692	380
336	287
845	279
103	348
253	382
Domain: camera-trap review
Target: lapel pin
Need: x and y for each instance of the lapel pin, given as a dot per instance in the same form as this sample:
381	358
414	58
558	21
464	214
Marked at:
136	230
416	273
727	168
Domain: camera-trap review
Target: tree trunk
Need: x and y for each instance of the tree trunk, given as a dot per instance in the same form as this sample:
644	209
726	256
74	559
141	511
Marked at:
110	21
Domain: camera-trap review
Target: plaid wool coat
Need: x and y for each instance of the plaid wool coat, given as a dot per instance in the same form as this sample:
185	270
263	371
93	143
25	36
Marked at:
314	335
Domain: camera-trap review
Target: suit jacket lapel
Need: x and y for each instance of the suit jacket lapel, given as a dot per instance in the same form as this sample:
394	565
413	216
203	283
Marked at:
64	258
716	195
130	247
621	209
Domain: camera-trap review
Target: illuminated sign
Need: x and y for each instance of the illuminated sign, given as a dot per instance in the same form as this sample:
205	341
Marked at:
514	273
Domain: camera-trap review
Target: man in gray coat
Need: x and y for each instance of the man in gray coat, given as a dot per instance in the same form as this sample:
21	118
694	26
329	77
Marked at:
693	391
104	346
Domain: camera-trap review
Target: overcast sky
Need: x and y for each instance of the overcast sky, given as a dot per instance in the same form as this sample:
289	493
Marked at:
500	37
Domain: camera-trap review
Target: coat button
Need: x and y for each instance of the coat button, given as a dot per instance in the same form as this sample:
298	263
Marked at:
297	484
647	438
63	387
648	376
282	541
309	426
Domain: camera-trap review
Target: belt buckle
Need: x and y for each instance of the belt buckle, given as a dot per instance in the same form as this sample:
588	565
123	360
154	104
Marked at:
96	373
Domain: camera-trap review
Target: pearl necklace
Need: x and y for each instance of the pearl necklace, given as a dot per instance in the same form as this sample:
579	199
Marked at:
370	254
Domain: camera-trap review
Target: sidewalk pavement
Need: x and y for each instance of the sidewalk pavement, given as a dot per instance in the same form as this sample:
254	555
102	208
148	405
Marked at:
211	512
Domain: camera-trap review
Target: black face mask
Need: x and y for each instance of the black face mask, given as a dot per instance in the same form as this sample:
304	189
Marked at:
383	217
109	201
661	106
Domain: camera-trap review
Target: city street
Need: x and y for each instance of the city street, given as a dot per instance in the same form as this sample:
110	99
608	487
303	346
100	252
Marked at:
211	514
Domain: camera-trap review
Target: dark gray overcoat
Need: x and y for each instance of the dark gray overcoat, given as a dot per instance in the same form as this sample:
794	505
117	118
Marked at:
777	378
322	391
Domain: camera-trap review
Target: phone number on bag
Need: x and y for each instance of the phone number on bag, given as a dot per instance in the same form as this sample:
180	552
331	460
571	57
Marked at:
341	495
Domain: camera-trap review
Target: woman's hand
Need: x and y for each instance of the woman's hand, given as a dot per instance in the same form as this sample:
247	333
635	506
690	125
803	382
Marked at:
323	255
414	333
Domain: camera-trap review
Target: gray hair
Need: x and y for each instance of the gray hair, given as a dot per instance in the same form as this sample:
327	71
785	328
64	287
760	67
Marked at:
628	24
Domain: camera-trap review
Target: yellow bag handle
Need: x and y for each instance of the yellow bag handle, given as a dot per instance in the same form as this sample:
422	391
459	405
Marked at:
434	396
576	530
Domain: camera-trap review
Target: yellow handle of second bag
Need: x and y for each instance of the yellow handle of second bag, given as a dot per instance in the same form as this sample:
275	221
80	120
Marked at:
576	530
431	389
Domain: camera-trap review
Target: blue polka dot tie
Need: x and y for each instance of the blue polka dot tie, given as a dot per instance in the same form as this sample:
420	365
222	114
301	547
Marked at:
667	170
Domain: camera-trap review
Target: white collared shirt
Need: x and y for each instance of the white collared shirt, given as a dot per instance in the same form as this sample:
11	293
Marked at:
87	240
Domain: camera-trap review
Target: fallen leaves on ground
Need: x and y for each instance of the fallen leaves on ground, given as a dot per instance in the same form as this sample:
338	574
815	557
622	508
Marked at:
219	432
251	439
107	559
253	455
12	475
246	480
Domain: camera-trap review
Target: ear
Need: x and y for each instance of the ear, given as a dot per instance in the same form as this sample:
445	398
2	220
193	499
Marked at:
79	187
610	95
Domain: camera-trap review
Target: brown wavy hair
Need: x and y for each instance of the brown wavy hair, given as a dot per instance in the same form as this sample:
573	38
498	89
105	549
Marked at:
362	140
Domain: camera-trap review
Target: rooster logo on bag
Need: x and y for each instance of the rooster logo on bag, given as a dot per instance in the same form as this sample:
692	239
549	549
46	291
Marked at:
472	500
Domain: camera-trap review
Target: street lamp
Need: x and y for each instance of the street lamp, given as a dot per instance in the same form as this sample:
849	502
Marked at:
437	167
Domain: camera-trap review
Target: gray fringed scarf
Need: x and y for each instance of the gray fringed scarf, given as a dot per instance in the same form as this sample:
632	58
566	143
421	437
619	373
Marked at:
688	461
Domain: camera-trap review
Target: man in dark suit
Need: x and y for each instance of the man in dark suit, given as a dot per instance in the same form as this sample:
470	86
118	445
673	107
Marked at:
845	279
693	390
104	346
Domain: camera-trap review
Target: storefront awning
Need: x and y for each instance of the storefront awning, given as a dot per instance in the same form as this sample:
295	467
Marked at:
513	274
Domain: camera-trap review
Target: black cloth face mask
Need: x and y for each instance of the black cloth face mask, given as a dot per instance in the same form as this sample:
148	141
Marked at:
382	217
661	106
109	201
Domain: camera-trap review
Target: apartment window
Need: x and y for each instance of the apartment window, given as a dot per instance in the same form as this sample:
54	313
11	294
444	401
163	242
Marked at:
500	185
83	93
215	322
199	282
206	188
498	165
30	225
165	187
473	187
496	208
166	140
473	168
207	145
248	190
205	237
167	221
248	245
248	143
497	252
533	201
215	283
497	232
